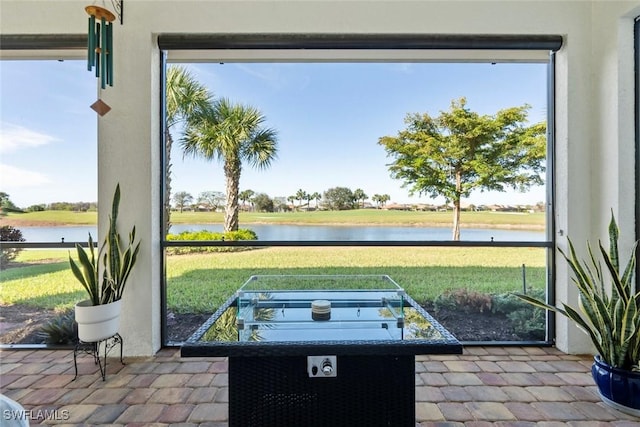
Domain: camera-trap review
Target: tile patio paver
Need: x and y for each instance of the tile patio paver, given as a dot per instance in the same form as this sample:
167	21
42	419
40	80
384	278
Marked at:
209	412
490	411
524	411
462	378
107	395
563	411
178	413
202	395
550	394
106	414
171	395
426	411
455	411
145	413
487	386
429	394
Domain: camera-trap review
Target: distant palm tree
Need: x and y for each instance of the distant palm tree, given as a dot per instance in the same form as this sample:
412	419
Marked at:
381	199
184	98
231	133
308	197
317	197
300	196
245	196
359	195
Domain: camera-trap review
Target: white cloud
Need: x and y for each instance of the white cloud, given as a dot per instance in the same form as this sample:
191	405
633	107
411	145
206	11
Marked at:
12	178
14	137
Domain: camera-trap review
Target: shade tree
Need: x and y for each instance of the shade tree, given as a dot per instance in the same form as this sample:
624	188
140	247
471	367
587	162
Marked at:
339	198
461	151
182	200
211	200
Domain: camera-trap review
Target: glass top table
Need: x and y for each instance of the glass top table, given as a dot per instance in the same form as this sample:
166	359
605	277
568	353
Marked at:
288	314
321	350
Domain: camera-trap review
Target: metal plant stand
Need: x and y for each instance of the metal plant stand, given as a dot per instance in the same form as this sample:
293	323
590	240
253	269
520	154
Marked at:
93	348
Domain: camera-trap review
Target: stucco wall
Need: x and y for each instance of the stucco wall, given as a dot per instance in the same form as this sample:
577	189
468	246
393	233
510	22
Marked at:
594	104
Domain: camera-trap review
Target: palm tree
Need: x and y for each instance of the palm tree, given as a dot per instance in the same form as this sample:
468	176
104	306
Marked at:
245	196
300	196
317	197
381	199
308	197
359	195
184	98
231	133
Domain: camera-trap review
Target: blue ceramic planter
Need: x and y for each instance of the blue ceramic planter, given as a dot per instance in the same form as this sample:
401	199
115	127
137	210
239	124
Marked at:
617	387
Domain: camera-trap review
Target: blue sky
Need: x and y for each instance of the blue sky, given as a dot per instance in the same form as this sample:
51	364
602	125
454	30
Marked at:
328	116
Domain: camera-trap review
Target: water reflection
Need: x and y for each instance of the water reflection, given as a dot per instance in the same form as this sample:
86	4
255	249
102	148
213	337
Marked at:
305	232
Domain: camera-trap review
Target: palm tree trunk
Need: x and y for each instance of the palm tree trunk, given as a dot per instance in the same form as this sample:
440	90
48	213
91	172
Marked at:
232	175
167	179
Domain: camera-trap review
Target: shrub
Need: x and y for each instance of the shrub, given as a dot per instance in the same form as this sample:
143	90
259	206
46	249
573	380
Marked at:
508	302
9	234
463	299
241	234
61	330
530	323
526	318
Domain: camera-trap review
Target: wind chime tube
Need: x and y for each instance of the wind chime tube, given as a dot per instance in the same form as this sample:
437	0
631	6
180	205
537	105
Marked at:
96	55
110	54
100	44
103	53
91	43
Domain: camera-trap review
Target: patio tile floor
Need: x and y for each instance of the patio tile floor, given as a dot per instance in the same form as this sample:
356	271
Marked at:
486	386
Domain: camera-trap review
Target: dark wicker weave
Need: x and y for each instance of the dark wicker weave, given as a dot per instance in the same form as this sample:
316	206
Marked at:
277	391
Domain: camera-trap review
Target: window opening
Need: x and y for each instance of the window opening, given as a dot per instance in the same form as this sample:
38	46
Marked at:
213	249
48	147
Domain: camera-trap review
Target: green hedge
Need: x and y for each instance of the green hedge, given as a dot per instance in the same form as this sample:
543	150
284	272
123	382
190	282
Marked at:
241	234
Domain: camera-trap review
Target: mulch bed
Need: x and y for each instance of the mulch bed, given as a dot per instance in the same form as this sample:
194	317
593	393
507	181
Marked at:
20	324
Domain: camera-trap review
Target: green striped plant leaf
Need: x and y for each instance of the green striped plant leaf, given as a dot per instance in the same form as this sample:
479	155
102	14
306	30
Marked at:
104	276
607	305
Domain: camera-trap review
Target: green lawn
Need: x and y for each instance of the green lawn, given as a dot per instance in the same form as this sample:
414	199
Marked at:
201	282
52	218
534	221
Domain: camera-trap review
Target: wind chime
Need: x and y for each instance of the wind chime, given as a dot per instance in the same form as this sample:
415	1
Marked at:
100	44
100	47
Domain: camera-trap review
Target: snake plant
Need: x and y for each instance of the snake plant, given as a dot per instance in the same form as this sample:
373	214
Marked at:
115	261
609	308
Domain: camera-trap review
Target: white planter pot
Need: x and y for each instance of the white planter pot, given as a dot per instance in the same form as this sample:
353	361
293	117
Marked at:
97	322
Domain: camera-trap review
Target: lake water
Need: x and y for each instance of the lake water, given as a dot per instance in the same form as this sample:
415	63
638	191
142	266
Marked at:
306	232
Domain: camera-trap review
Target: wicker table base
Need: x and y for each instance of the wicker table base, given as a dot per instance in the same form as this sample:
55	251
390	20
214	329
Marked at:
370	390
